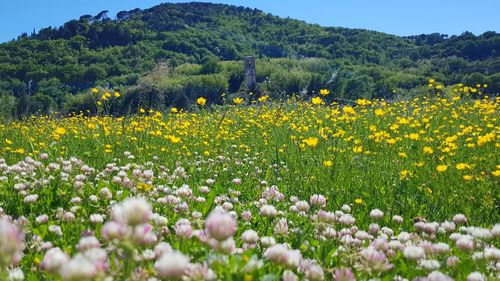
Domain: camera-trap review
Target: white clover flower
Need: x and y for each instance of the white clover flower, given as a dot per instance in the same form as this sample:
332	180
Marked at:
11	242
346	208
32	198
376	214
268	241
438	276
15	274
318	200
314	272
430	265
330	233
459	219
162	248
87	242
479	233
268	211
492	253
475	276
133	211
495	230
442	248
96	218
53	260
78	268
201	272
171	265
347	219
413	253
397	219
55	229
220	226
42	219
250	236
276	253
465	243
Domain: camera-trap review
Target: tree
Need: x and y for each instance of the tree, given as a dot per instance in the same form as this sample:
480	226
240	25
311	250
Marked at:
7	106
210	65
101	16
54	89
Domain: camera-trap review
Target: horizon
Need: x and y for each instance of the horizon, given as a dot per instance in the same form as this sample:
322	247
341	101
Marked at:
375	16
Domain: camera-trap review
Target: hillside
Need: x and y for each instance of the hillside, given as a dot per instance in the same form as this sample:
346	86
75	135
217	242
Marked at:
98	50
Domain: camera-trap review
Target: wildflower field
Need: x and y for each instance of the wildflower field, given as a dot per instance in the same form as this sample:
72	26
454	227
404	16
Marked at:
295	190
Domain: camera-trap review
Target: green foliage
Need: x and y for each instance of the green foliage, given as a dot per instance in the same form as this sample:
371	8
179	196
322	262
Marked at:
210	66
202	38
80	103
7	106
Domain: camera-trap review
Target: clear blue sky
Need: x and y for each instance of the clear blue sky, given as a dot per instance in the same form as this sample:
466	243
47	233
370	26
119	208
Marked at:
401	17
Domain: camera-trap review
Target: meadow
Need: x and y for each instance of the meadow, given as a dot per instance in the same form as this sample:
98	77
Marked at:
271	190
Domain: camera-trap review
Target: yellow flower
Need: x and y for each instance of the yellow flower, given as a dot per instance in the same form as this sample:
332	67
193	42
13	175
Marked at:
441	168
324	92
379	112
402	155
327	163
311	141
144	186
60	131
117	95
348	110
414	136
174	110
94	91
317	101
358	201
20	150
362	102
431	81
462	166
263	98
142	110
175	139
482	140
357	149
238	101
404	174
7	141
496	173
467	177
428	150
201	101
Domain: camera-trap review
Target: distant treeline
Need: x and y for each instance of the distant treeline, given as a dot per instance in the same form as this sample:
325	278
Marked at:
173	53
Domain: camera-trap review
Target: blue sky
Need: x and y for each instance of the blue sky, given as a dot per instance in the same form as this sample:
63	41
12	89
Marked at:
401	17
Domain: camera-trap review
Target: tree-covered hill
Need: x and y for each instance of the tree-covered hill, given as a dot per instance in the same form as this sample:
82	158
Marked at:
116	51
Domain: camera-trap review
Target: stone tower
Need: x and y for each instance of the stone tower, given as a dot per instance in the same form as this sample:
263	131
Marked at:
250	74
